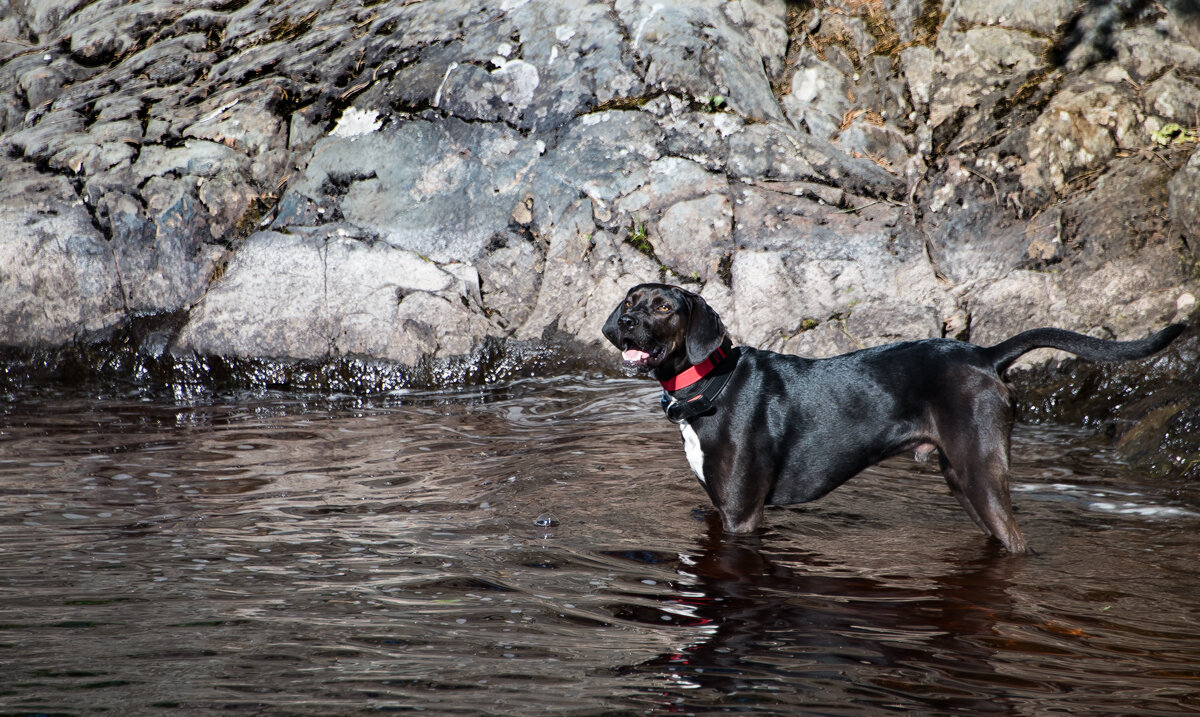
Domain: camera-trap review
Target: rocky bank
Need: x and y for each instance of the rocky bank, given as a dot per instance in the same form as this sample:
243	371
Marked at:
356	180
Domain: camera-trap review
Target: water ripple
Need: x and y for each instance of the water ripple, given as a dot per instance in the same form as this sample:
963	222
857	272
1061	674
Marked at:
308	555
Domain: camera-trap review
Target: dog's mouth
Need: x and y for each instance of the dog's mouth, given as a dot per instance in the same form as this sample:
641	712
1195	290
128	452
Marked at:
636	357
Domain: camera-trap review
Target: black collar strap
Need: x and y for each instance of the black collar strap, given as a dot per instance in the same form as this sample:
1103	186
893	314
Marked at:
697	398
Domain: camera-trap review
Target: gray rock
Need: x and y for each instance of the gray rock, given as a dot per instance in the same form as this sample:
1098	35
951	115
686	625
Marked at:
439	189
670	180
602	156
776	152
1079	130
58	280
439	173
904	15
1104	32
978	62
1184	192
315	297
919	65
569	59
1174	98
44	16
173	272
694	236
882	144
1043	17
720	59
818	97
587	271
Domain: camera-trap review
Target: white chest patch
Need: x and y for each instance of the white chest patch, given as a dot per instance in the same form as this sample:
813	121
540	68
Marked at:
691	449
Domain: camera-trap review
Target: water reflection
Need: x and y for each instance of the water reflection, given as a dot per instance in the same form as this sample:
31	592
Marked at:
838	641
306	555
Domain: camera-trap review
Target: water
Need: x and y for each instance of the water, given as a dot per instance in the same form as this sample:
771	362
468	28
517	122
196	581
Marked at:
540	548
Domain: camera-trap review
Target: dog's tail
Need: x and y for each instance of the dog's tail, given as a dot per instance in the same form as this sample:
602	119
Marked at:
1005	353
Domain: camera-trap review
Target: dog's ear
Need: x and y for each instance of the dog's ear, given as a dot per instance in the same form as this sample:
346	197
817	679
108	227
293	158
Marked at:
610	324
705	332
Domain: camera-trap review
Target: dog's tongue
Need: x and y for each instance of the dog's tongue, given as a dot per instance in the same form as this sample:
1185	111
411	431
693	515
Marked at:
634	356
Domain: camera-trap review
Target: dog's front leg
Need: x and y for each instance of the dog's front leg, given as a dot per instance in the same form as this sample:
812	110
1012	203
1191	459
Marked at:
739	494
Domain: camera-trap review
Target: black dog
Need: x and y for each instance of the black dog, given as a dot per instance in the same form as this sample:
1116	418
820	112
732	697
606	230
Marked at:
766	428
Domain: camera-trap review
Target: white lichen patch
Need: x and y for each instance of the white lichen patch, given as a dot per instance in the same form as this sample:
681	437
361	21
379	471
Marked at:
355	122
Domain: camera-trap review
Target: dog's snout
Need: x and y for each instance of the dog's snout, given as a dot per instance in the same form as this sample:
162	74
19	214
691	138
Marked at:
628	321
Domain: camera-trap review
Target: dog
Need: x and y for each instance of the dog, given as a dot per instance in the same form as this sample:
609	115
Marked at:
762	428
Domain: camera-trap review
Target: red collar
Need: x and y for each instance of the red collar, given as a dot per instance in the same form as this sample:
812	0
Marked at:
694	373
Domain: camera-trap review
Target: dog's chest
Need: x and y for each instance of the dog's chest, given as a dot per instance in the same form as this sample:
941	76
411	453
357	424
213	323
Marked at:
691	449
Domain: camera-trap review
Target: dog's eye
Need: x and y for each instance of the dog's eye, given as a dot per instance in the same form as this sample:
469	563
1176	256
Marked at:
664	308
628	303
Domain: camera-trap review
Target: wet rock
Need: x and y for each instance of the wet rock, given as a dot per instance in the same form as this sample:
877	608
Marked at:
1151	413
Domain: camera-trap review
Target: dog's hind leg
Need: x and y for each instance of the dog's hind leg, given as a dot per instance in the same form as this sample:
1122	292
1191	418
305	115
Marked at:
956	484
980	482
974	447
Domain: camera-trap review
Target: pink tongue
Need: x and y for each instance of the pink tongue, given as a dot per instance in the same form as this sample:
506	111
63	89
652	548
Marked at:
635	356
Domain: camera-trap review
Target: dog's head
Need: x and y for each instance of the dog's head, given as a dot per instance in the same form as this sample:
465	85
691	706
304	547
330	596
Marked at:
663	329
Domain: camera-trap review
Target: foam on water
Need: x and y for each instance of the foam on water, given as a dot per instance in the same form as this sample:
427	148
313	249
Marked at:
1108	500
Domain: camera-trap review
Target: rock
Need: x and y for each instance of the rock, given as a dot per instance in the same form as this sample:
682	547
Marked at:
1174	98
58	280
807	264
722	59
881	143
691	236
314	297
905	15
776	152
819	97
1045	236
1184	202
44	16
765	22
510	278
670	180
1043	17
602	157
1078	131
1144	51
588	270
437	176
440	190
919	64
978	62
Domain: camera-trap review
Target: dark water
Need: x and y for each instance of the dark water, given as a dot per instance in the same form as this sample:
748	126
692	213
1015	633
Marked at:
283	555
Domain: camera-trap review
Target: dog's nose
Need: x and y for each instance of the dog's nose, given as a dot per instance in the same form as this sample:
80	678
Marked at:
627	321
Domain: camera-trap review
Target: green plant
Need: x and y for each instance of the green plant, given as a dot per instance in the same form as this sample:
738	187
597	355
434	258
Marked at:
1172	133
639	238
